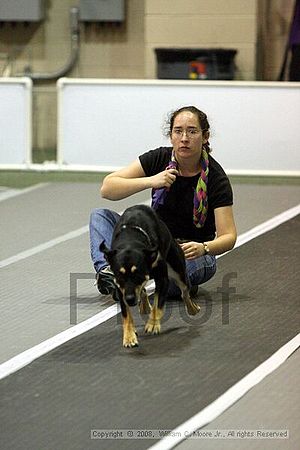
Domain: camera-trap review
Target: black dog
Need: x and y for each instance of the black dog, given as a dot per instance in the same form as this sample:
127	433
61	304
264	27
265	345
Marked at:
143	248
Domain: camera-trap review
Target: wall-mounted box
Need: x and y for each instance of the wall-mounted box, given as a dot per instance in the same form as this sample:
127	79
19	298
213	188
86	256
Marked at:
181	63
102	10
22	10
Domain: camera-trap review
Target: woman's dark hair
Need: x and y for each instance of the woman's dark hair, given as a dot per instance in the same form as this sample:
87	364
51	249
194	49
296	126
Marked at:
202	118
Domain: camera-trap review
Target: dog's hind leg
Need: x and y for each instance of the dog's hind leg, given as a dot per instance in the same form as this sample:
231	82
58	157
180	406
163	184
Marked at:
191	307
129	331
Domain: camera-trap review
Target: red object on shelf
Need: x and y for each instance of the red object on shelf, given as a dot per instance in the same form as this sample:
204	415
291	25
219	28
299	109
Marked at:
198	70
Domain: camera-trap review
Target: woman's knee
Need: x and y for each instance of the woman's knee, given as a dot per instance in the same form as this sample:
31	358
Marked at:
99	215
210	271
201	270
98	212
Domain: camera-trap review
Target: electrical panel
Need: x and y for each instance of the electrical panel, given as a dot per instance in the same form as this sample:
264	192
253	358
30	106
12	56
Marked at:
22	10
102	10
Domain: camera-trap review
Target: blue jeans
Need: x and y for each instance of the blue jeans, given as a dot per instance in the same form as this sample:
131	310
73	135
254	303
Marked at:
102	224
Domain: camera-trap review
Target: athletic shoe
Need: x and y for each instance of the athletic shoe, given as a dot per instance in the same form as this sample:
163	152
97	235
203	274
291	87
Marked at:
105	283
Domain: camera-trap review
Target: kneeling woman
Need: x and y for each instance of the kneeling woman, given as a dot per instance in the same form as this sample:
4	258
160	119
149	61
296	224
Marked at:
190	193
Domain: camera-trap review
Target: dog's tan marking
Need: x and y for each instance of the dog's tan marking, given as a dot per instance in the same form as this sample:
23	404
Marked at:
153	323
144	304
133	269
191	307
129	331
122	270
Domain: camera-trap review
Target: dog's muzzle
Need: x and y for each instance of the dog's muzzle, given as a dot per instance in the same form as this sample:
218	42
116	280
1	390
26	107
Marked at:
130	299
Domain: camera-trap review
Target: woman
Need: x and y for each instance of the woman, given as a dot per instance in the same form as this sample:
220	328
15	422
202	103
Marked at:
190	192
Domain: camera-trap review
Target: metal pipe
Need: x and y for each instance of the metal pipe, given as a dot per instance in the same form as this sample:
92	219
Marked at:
75	32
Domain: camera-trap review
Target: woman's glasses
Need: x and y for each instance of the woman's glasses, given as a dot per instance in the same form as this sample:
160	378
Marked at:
190	132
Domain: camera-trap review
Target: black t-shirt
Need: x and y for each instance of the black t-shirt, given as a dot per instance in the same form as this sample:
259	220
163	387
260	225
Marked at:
177	210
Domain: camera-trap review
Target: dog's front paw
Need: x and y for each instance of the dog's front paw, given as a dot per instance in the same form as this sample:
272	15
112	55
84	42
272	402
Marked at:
130	339
152	326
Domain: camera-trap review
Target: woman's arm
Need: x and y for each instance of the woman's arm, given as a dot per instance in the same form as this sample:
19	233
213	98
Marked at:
226	231
225	240
132	179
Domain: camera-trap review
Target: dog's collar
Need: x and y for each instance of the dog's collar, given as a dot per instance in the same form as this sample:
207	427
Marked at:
136	227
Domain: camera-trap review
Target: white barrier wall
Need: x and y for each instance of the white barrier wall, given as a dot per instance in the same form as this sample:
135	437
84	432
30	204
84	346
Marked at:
105	124
15	122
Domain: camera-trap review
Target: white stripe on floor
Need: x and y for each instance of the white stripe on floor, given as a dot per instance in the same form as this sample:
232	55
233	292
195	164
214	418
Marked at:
45	246
21	360
25	358
9	193
268	225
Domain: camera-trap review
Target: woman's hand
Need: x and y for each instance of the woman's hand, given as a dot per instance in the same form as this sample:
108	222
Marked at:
225	240
164	179
192	249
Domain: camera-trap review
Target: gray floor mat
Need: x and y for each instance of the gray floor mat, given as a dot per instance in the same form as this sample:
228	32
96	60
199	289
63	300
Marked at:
271	405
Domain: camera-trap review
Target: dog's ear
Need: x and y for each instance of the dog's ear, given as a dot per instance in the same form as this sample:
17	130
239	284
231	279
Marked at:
106	251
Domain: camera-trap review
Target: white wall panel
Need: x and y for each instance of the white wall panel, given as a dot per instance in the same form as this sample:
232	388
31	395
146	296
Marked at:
15	121
105	124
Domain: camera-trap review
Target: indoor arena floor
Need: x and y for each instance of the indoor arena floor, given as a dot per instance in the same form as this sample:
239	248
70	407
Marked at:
66	380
